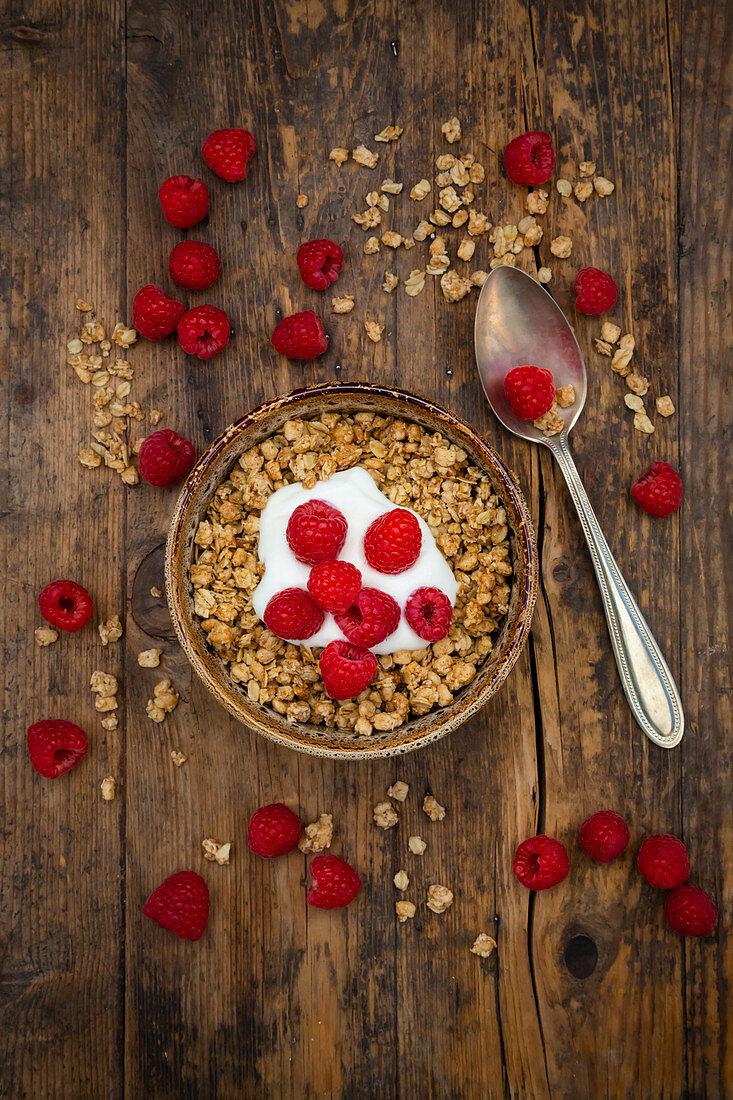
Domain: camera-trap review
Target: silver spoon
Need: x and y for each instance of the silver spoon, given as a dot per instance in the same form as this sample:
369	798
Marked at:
517	322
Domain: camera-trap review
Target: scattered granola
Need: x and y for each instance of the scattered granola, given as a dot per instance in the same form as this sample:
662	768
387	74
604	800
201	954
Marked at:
454	286
365	157
610	332
111	630
439	259
84	306
583	190
566	396
478	278
401	880
483	945
371	245
345	303
643	424
452	130
620	361
603	348
423	230
432	808
587	167
216	852
398	790
466	249
385	815
449	199
156	592
339	155
389	282
318	835
603	186
421	190
565	188
178	758
105	687
405	910
439	899
374	331
149	658
478	224
301	201
414	282
537	201
391	187
164	701
389	133
416	845
632	401
544	274
109	788
391	239
637	384
561	247
663	406
46	635
370	219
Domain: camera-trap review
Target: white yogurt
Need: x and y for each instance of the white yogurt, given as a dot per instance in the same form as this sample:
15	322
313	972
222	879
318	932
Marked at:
354	493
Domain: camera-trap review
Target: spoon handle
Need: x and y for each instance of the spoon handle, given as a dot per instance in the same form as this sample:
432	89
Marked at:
647	681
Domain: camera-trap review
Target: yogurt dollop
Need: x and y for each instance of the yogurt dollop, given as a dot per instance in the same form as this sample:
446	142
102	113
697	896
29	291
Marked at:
354	493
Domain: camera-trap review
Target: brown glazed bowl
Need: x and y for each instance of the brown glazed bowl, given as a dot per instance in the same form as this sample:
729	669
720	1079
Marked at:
214	466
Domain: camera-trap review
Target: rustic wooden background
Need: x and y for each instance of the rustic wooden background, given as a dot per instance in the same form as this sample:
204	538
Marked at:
101	101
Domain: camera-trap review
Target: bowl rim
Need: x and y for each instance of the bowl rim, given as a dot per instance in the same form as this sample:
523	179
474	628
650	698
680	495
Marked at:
524	530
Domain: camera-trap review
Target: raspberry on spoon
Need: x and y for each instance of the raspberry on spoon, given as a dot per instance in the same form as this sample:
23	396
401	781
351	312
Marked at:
530	391
66	605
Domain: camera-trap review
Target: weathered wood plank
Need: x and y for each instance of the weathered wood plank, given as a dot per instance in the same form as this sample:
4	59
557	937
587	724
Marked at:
62	917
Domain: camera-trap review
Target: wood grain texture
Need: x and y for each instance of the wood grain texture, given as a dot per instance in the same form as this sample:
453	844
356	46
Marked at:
278	1000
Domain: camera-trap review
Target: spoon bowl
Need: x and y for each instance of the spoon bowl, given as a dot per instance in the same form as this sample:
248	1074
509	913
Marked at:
517	321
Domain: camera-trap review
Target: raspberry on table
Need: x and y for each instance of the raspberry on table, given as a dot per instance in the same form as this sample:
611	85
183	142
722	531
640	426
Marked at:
604	836
663	861
334	584
55	746
371	618
540	862
165	458
690	911
273	831
530	391
300	336
659	490
181	905
316	531
346	669
293	615
430	613
530	158
393	541
320	263
227	152
334	883
595	291
204	331
154	314
65	604
194	265
184	201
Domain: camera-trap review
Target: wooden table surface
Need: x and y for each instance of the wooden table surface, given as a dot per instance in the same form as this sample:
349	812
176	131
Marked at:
102	101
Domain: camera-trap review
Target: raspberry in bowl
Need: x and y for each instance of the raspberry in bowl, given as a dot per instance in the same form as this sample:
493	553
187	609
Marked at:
396	680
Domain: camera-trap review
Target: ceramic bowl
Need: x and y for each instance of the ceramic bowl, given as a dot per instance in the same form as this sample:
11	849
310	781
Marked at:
214	466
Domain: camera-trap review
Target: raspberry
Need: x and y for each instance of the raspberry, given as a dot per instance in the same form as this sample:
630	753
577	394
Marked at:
180	904
594	291
530	158
540	862
316	531
392	542
690	911
185	201
293	615
659	490
604	836
154	314
273	831
334	584
530	391
372	617
65	604
227	151
194	265
334	883
165	457
300	336
204	331
663	861
430	613
55	746
346	669
319	263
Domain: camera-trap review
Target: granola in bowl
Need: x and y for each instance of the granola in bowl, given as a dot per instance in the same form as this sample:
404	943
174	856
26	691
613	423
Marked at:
415	468
423	458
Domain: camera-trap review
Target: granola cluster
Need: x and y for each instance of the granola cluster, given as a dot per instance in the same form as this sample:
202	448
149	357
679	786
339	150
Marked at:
620	350
414	468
